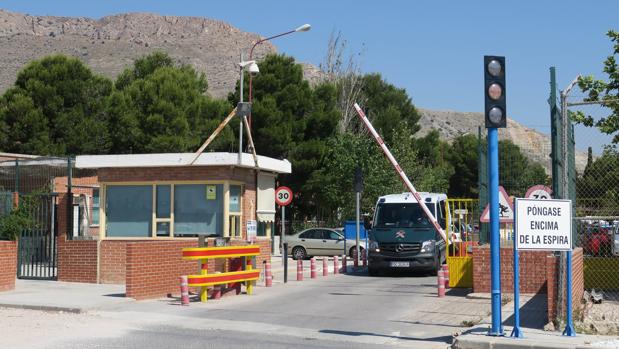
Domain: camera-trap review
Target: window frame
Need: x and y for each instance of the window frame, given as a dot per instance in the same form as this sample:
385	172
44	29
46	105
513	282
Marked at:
154	219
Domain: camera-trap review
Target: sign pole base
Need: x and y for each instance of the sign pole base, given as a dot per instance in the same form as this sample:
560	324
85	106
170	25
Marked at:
517	333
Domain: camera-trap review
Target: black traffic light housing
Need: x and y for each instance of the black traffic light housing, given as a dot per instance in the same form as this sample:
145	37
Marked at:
495	92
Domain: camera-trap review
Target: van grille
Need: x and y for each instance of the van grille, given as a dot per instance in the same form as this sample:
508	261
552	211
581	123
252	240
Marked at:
396	248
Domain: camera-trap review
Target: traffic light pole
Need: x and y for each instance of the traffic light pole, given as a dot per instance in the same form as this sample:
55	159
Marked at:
495	247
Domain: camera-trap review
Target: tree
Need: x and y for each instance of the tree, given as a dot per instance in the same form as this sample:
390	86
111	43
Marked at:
518	173
606	92
596	189
56	107
463	156
161	107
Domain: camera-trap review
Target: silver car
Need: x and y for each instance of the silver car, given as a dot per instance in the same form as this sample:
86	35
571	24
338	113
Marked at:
320	242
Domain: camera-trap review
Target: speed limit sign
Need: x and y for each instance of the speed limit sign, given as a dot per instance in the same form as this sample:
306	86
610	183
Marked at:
539	192
283	196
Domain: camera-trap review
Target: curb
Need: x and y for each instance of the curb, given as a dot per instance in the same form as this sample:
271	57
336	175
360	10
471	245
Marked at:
48	308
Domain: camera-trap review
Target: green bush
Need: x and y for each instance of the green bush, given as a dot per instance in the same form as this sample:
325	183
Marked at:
18	220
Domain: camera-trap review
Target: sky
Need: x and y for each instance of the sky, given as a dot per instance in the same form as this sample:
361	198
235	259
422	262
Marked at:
432	49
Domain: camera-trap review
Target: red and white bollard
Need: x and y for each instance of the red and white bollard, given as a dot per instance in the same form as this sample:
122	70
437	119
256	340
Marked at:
446	275
336	265
441	284
364	255
299	270
184	290
217	292
313	268
356	261
268	276
325	267
344	264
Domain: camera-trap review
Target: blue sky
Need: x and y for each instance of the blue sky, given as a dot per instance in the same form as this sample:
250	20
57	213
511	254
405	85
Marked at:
433	49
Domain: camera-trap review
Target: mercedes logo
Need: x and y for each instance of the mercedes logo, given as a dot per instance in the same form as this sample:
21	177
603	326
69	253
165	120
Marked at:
399	248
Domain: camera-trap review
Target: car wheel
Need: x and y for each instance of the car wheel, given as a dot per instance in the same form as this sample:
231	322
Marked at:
299	253
351	252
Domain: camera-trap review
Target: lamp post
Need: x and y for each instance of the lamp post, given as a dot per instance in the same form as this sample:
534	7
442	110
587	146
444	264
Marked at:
253	69
303	28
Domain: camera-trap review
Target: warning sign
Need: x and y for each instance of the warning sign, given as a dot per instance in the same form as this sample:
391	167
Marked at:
506	209
543	224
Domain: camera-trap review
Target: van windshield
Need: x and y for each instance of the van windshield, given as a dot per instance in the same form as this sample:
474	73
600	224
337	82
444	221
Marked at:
402	215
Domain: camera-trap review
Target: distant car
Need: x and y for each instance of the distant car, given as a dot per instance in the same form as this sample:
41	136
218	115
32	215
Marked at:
616	235
320	242
598	240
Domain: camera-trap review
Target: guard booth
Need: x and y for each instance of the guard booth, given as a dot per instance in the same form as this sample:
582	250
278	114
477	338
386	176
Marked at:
462	233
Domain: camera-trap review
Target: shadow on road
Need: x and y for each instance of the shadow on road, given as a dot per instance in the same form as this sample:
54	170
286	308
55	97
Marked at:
441	339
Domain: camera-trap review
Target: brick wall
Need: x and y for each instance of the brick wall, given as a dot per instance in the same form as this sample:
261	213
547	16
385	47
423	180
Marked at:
77	260
113	254
578	283
8	265
532	270
182	173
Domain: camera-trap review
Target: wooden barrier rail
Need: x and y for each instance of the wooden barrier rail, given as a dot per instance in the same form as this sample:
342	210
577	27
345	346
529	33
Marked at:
203	254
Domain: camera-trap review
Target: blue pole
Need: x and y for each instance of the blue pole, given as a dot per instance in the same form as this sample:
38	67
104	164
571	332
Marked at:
495	252
569	326
516	332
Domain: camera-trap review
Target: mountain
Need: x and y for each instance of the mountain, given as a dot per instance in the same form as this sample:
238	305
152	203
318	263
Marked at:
534	144
111	44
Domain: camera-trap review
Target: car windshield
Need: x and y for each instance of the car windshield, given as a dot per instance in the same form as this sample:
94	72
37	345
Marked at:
401	215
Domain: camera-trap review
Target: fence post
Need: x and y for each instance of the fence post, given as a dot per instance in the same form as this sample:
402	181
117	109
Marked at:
69	199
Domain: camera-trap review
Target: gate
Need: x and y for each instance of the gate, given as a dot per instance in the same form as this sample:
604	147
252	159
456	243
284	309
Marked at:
463	233
36	256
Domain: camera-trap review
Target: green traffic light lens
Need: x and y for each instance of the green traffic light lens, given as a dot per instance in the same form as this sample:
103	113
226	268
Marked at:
495	91
494	68
495	115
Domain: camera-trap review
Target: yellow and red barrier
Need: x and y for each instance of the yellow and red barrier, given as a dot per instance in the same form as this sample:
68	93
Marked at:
248	275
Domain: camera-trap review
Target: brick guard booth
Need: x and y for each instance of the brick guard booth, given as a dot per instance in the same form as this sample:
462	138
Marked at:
131	221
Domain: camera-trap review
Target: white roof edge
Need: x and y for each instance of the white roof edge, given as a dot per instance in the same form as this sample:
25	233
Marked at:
408	197
182	159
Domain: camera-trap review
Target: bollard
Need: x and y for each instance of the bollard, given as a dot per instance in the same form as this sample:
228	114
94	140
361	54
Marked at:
299	270
441	284
325	267
216	292
364	255
356	260
268	277
313	268
336	265
446	275
184	291
344	264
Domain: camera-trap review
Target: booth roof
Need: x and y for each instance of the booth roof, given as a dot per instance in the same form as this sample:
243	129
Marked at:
182	159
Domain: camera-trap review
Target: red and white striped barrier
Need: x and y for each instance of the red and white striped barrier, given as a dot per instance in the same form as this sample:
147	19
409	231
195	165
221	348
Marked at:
268	276
344	264
184	290
313	268
325	267
441	284
446	275
336	265
299	270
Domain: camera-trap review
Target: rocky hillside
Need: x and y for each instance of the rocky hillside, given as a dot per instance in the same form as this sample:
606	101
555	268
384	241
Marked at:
110	44
534	144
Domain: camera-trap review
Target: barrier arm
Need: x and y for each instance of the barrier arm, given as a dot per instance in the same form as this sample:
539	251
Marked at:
398	169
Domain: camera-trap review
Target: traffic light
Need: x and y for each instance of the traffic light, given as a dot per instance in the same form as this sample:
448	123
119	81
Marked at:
494	91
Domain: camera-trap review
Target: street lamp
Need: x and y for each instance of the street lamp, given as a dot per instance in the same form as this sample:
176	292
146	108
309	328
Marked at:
303	28
253	69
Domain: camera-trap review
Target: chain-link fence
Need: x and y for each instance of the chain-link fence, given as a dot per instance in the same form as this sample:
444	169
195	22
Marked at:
597	212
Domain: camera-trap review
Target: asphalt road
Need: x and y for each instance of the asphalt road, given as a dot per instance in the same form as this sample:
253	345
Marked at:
333	312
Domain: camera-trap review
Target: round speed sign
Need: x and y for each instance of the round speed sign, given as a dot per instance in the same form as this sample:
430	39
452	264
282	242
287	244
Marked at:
283	196
539	192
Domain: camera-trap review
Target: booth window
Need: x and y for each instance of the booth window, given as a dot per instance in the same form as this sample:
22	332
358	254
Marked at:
265	228
234	211
163	210
95	207
129	210
198	209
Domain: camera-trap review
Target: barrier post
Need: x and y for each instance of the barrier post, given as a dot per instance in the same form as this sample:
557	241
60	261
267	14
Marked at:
344	264
516	332
364	255
285	262
313	268
446	275
569	326
336	266
299	270
249	285
325	267
356	260
203	289
441	284
184	290
268	276
216	291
